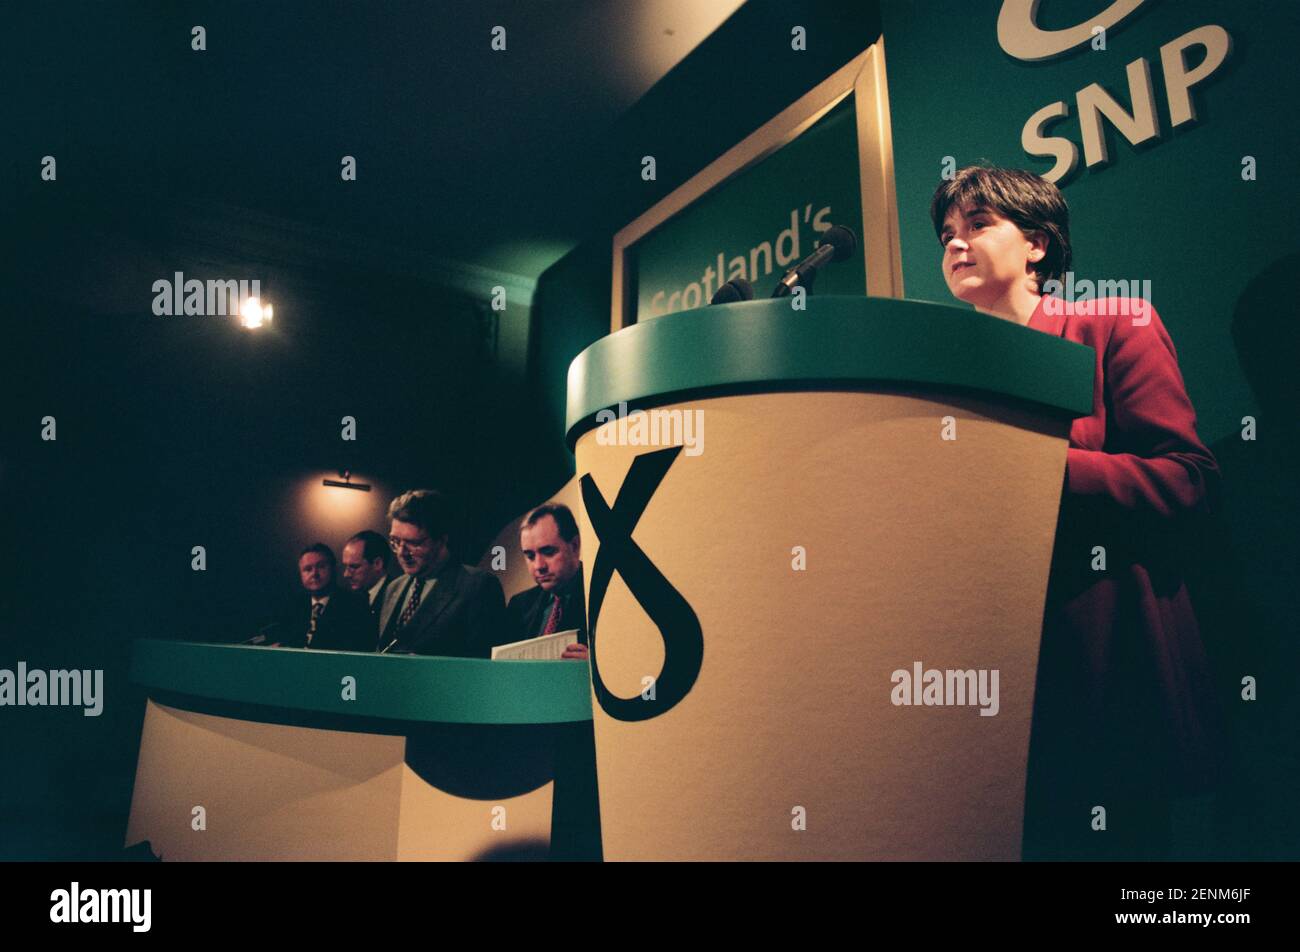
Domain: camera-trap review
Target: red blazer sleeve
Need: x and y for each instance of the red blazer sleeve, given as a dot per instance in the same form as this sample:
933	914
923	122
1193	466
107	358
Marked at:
1168	470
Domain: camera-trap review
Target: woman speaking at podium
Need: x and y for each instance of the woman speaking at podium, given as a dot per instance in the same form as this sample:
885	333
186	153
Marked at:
1124	715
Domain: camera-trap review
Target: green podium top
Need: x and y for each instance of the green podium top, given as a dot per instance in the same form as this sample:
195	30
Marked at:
838	343
393	687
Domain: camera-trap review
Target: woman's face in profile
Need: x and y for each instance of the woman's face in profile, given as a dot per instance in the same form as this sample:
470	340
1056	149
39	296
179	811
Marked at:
984	255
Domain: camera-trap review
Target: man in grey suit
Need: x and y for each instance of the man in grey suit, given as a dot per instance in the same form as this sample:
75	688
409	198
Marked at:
438	606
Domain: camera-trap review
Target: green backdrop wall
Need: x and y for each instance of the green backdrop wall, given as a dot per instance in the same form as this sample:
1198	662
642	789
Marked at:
759	223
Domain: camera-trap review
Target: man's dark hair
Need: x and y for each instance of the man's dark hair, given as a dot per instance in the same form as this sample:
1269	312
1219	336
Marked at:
1029	201
558	511
373	545
321	548
426	508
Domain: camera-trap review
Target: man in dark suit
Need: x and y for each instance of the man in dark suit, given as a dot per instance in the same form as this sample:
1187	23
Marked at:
438	606
329	617
550	542
365	570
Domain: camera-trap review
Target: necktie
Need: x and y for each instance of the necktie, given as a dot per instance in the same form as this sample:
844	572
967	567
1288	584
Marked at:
412	603
316	609
552	620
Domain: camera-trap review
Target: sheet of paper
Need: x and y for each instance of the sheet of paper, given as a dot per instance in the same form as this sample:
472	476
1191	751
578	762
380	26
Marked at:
545	648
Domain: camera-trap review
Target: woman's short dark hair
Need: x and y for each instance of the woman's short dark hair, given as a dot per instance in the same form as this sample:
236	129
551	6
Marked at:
426	508
563	517
1029	201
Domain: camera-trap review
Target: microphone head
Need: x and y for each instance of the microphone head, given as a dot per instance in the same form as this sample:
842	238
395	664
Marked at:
737	289
842	239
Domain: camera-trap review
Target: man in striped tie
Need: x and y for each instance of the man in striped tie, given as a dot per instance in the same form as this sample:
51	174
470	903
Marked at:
549	539
438	606
329	617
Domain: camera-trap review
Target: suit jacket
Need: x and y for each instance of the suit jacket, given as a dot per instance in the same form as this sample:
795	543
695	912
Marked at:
1122	665
344	625
527	612
463	617
376	607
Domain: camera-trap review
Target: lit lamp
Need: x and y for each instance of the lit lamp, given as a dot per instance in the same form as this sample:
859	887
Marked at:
253	313
347	482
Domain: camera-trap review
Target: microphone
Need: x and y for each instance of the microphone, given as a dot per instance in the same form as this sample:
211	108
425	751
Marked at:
737	289
264	634
837	244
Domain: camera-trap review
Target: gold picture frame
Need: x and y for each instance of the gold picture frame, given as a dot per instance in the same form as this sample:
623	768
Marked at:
864	76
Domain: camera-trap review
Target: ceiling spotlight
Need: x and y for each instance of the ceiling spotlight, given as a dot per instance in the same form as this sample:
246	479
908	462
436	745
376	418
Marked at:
253	313
347	482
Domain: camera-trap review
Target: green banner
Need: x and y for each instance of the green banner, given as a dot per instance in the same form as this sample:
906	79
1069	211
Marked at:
760	223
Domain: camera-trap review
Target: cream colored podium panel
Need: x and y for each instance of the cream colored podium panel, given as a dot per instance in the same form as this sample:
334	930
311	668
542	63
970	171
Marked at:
256	754
908	559
826	535
276	792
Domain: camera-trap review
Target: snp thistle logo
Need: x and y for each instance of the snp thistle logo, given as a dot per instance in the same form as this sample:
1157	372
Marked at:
678	625
1184	62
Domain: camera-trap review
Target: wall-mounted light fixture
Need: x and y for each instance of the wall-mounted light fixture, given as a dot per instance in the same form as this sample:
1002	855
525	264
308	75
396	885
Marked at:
254	313
347	482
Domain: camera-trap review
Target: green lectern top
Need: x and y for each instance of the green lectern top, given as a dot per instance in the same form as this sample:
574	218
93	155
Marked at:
394	687
837	343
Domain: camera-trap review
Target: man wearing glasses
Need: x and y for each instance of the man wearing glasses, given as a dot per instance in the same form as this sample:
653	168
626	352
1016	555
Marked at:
438	606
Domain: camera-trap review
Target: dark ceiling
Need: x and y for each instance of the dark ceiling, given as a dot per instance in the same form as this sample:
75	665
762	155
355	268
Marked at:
463	152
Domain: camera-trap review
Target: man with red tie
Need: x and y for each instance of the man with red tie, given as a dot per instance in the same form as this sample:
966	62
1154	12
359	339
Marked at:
550	542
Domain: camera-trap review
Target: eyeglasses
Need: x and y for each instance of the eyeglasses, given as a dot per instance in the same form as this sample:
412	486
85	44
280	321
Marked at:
396	544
